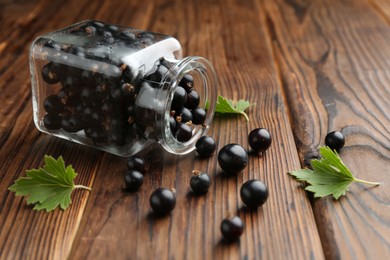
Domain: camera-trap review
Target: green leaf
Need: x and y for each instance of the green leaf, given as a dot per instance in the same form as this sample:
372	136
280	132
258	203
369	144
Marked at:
330	176
48	187
227	106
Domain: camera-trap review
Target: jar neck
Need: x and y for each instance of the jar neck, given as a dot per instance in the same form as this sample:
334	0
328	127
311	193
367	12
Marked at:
205	83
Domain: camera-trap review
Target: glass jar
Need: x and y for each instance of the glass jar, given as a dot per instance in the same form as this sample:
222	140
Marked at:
119	89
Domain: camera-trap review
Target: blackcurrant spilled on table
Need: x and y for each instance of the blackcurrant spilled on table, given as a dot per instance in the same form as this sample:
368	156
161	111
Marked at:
162	201
254	193
259	140
232	228
335	140
205	146
136	163
200	182
133	180
232	158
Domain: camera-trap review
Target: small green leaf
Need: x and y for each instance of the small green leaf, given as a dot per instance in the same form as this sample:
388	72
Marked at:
330	176
227	106
48	187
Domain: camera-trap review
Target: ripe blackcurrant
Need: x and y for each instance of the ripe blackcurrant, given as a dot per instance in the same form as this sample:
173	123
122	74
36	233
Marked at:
49	74
232	158
179	98
136	163
335	140
254	193
192	100
183	115
173	124
52	122
71	123
187	82
259	140
53	105
198	116
183	132
200	182
133	180
232	228
162	201
205	146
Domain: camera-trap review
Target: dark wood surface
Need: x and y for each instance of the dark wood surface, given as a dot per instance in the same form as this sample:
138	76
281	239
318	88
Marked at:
310	66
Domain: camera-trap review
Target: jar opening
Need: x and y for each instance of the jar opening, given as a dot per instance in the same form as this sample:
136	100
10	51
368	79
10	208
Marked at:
205	84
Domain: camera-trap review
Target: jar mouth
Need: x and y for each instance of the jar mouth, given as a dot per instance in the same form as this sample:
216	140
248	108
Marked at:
206	86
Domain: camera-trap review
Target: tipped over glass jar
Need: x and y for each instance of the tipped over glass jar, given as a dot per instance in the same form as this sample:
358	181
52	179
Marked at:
120	89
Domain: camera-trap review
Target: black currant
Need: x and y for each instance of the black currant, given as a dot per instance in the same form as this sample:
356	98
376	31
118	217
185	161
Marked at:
187	82
117	139
173	124
98	25
50	74
232	158
232	228
183	115
90	78
205	146
71	123
183	132
136	163
72	102
259	140
200	182
159	74
87	95
133	180
198	116
79	51
254	193
52	122
107	34
335	140
63	94
192	100
98	135
72	82
87	114
162	201
179	98
107	108
130	111
53	105
101	90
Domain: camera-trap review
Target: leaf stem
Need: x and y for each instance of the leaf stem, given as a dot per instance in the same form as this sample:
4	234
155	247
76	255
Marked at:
82	187
367	182
245	115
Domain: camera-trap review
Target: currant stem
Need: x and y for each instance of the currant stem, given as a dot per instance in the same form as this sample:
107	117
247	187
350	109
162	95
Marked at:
367	182
82	187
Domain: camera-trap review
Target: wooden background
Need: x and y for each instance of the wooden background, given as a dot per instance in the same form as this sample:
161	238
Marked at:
310	66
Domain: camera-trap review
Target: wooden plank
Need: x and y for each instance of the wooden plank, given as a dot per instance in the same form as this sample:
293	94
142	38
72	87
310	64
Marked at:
119	225
382	7
26	233
334	62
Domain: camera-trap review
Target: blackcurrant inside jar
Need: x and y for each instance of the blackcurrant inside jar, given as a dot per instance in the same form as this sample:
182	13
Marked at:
120	89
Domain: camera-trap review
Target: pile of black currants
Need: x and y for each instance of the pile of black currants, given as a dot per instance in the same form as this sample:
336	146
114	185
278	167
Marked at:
185	111
100	98
232	159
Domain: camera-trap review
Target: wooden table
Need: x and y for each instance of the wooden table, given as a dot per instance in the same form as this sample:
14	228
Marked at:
310	66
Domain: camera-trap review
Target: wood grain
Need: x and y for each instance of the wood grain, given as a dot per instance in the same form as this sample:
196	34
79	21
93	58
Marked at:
246	70
333	59
26	233
310	67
